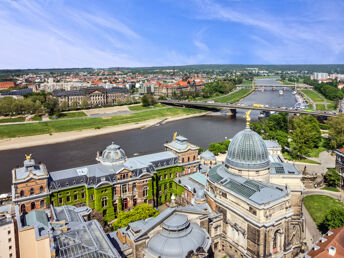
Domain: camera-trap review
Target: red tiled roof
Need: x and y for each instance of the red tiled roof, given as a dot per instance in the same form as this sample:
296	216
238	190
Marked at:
6	85
335	240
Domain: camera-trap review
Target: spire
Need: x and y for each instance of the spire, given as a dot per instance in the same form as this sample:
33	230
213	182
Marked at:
248	118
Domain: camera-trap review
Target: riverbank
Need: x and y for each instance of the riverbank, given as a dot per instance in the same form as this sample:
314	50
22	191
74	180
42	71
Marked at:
44	139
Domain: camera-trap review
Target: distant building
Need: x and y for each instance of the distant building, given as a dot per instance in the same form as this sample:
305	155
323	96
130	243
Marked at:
340	164
329	245
317	76
167	90
6	85
95	96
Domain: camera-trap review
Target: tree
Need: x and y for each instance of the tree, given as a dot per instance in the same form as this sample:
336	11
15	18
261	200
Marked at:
74	104
142	211
336	131
334	218
332	178
52	106
305	135
145	101
84	102
64	105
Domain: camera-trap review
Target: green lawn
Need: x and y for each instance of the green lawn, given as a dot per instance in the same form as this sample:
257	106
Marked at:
320	107
11	120
70	115
287	156
329	188
10	131
318	205
314	95
140	107
234	97
37	118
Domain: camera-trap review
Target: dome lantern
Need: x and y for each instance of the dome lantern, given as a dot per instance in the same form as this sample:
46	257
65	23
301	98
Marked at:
113	154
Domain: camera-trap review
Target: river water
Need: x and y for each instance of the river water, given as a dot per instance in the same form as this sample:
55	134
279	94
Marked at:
199	130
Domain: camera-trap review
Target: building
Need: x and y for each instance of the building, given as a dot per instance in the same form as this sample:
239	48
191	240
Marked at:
329	245
181	86
340	164
6	85
115	183
319	76
94	96
262	215
62	232
208	158
8	237
176	232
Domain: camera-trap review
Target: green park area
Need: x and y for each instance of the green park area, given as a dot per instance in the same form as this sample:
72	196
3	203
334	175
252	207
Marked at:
319	99
326	211
12	119
67	115
141	108
13	130
235	96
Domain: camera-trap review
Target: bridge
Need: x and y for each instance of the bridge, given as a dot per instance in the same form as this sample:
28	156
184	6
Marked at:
258	86
233	107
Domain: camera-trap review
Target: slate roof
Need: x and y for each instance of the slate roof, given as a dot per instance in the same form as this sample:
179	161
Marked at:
271	144
252	190
93	175
180	144
29	166
208	155
83	92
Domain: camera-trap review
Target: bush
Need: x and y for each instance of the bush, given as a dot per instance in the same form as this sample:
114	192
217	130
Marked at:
334	218
143	211
332	178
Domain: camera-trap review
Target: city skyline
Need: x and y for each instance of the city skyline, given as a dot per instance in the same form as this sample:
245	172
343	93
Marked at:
57	34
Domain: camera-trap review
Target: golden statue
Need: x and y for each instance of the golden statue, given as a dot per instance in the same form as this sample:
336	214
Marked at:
248	118
28	157
175	136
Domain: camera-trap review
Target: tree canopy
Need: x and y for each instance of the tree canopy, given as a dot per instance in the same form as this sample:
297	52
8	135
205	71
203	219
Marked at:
333	219
336	131
142	211
332	178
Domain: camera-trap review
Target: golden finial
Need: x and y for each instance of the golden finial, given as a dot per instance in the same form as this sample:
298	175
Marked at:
175	136
28	157
248	118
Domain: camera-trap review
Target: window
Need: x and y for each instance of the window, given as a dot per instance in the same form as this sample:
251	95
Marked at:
10	247
171	175
124	189
41	204
31	191
145	191
134	202
33	206
10	240
21	193
83	194
134	186
170	185
68	198
75	196
125	204
9	232
60	200
104	213
104	201
41	189
188	159
92	197
182	160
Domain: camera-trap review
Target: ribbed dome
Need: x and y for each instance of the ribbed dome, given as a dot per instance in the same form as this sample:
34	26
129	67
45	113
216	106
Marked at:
113	154
178	238
247	150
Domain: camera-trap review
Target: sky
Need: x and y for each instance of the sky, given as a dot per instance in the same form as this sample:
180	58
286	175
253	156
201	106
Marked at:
133	33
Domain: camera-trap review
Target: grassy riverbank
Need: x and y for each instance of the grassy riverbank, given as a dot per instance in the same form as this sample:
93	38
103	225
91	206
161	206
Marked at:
319	99
235	96
19	130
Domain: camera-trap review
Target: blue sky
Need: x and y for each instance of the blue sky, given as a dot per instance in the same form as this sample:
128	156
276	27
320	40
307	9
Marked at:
111	33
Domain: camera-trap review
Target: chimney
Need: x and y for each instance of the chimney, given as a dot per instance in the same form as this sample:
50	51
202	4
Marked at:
332	251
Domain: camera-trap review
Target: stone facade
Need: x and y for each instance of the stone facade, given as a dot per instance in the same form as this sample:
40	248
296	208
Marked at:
95	96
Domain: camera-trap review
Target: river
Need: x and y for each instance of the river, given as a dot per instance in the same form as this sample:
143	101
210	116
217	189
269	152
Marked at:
199	130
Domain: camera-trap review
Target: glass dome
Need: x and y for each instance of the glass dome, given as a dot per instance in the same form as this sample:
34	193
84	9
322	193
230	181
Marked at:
113	154
247	150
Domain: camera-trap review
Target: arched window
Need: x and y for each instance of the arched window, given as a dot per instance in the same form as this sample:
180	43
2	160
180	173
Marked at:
41	204
275	243
104	201
145	191
33	206
22	208
31	191
188	159
22	194
41	189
